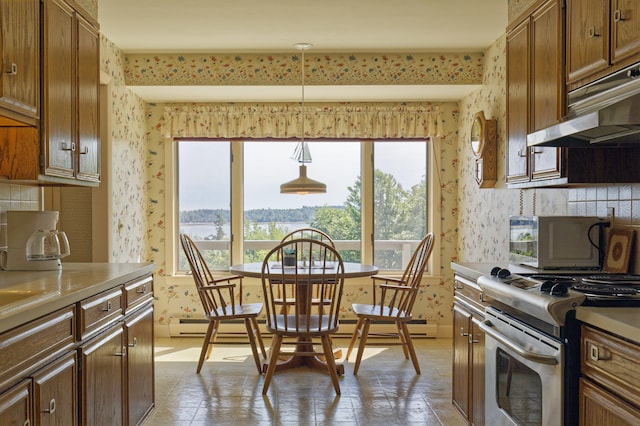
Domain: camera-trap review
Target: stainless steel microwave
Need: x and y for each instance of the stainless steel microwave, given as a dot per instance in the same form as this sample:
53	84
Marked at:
555	242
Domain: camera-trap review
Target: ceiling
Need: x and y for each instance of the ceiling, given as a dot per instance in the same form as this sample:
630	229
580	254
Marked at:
262	26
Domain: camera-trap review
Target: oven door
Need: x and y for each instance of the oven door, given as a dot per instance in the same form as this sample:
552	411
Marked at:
524	373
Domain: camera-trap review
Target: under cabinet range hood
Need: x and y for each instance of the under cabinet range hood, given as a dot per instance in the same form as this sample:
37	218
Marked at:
605	112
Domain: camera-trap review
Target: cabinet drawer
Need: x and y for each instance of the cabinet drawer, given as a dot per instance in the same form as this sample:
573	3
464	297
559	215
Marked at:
99	311
30	346
470	293
137	292
611	362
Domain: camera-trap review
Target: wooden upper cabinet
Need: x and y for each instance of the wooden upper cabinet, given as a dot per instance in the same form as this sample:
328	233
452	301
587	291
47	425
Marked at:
535	91
587	37
625	41
20	73
602	37
70	85
88	101
518	60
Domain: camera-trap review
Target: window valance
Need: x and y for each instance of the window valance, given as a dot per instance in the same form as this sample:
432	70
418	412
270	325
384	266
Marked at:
362	121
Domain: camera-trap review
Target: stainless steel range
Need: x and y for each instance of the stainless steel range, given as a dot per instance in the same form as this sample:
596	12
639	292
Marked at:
532	342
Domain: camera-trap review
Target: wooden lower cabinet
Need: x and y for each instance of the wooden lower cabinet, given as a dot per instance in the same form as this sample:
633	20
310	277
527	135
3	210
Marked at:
55	395
468	351
610	383
102	375
15	405
140	366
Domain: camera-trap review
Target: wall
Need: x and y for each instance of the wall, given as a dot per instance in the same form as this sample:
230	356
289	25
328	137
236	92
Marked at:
483	213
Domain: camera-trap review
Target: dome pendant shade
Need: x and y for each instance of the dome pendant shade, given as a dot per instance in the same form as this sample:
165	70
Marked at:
303	185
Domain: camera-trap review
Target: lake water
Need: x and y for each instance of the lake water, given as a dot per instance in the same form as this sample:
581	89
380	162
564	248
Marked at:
203	230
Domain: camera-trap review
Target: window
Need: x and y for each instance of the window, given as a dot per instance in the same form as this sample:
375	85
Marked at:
395	215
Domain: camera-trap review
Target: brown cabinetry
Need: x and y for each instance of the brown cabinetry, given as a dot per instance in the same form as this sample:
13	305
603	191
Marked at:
468	351
70	94
20	73
96	367
535	92
602	36
610	386
55	395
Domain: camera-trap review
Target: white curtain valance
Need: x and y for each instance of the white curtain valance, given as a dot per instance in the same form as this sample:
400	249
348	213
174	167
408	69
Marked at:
332	121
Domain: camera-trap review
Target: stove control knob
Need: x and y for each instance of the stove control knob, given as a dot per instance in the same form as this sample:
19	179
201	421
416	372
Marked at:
500	272
546	286
559	290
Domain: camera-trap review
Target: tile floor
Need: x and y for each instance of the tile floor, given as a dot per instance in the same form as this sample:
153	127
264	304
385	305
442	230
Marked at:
228	391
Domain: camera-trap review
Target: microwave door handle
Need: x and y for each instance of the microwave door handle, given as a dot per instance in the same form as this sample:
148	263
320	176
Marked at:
487	327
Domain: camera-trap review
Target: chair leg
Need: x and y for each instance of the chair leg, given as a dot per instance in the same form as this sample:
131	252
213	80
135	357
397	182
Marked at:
412	350
254	322
273	360
354	337
331	362
363	342
207	344
252	340
403	340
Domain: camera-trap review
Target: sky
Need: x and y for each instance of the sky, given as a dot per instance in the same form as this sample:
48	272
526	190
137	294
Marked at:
268	164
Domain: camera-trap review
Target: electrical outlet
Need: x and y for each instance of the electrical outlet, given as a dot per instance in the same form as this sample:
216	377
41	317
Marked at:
611	214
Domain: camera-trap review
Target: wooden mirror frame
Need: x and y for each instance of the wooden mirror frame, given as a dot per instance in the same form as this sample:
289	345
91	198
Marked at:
482	140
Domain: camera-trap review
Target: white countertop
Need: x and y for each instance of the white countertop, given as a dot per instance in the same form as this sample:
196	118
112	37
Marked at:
56	289
624	322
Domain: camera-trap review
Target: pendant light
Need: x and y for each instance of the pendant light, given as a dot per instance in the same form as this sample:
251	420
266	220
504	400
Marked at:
302	184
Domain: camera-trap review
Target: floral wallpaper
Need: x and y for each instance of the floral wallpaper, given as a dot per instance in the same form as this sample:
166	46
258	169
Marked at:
284	69
483	213
128	171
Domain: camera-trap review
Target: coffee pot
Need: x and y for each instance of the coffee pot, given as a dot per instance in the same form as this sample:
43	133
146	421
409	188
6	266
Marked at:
33	243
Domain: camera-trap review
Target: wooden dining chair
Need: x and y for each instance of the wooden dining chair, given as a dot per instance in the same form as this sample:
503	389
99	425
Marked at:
222	300
311	233
304	321
393	300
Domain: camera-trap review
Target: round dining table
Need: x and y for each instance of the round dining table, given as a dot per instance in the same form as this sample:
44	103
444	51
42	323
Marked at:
351	270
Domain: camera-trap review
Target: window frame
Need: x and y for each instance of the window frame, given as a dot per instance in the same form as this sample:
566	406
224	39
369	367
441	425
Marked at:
237	205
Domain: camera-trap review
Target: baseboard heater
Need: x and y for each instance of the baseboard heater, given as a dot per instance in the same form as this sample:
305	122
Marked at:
196	327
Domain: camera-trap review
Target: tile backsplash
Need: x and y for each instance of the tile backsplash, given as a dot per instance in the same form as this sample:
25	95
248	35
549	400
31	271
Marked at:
17	197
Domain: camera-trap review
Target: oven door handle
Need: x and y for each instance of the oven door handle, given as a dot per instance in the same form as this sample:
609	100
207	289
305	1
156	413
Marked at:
487	327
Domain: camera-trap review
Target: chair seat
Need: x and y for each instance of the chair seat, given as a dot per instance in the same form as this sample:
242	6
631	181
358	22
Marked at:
373	312
245	310
316	327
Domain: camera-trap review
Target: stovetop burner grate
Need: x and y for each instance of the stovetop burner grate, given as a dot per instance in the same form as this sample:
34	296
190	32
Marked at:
607	290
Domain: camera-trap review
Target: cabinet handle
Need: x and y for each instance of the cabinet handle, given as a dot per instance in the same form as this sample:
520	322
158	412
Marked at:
472	340
67	147
536	151
143	289
522	153
52	407
593	32
84	150
599	354
135	343
13	69
462	333
123	353
27	423
108	307
617	16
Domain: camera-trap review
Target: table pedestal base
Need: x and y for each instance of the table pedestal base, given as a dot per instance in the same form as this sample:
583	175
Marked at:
305	356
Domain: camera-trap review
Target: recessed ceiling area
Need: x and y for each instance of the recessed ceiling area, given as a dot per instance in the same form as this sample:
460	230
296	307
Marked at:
259	26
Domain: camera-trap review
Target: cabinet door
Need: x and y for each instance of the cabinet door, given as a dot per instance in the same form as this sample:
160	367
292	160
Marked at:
625	33
518	65
55	393
20	73
15	405
477	372
88	67
58	89
587	37
461	377
102	370
599	407
140	370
